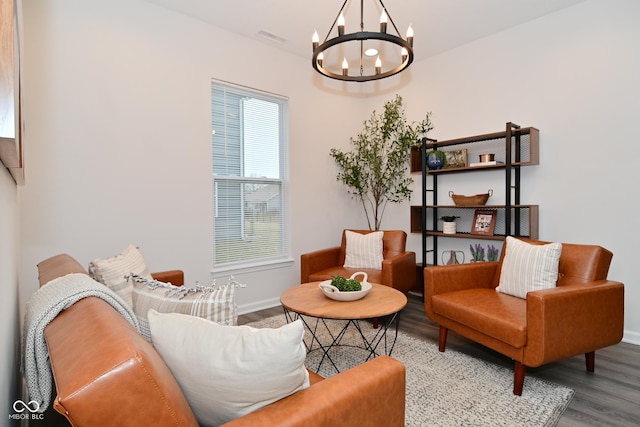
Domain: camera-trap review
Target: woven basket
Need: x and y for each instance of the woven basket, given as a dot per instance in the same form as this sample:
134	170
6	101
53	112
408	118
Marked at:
477	200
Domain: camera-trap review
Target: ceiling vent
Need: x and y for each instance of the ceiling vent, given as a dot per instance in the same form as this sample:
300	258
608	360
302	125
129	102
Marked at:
271	37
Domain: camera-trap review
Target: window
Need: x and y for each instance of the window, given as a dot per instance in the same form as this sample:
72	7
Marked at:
249	139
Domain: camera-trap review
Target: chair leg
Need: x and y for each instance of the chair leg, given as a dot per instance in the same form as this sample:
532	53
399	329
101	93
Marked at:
442	340
590	359
519	372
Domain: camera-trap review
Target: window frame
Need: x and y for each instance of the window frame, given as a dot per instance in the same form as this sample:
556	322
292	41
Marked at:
284	258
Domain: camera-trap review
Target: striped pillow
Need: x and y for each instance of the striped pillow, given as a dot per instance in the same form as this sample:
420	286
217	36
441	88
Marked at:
215	303
112	271
363	250
528	267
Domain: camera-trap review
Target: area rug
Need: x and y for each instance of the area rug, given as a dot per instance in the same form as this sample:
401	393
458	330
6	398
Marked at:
450	388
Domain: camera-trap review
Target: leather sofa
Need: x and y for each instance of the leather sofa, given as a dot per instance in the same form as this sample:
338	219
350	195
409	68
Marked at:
398	268
583	313
107	374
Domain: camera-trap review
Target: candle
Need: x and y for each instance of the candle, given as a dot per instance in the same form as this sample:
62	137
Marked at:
345	67
410	36
341	25
315	40
383	22
378	65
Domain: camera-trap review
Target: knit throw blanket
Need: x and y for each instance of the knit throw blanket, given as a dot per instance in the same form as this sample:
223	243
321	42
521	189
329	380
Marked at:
43	306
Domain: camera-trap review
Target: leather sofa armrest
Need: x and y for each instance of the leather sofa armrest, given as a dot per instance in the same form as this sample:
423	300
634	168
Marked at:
592	314
175	277
400	270
107	374
58	266
313	262
369	394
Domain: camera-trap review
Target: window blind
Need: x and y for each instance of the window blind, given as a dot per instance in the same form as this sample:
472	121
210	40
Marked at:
248	165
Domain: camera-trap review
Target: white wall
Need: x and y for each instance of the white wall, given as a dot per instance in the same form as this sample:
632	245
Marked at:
573	75
117	100
9	318
117	110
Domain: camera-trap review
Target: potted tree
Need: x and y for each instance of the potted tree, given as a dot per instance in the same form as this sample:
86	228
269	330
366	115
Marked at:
375	171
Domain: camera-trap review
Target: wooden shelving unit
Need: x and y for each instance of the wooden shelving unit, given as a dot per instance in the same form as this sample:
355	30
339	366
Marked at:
514	148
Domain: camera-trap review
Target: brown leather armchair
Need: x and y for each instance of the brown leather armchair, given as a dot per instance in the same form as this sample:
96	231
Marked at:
585	312
398	267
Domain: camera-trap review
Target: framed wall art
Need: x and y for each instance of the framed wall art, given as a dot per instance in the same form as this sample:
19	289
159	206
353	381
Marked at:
456	159
484	222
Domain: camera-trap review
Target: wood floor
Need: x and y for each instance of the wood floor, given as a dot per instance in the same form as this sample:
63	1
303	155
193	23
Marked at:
610	397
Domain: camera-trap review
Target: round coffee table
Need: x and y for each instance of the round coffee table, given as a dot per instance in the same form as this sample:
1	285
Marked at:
308	303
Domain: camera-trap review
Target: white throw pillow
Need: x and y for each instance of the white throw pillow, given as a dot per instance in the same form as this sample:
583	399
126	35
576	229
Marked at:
216	303
226	372
112	271
363	250
528	267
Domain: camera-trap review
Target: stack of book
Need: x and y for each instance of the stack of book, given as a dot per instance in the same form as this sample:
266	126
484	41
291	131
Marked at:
493	162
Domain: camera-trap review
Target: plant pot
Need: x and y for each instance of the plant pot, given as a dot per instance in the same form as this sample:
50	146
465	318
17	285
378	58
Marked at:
449	227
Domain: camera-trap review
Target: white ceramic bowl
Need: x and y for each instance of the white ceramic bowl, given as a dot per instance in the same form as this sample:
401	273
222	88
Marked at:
332	292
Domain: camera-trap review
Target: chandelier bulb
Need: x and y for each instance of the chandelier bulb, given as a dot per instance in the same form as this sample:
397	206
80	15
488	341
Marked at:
383	22
341	25
378	66
345	67
410	36
315	40
404	54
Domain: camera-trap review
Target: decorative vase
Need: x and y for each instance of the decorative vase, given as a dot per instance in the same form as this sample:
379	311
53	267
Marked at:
453	257
449	227
434	161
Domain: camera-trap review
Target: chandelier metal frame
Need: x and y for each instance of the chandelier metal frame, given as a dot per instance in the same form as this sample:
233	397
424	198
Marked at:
361	36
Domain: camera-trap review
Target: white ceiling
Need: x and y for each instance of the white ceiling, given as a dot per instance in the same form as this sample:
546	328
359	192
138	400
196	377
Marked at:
439	25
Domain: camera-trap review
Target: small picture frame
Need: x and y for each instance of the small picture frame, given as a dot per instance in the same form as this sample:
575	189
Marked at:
484	222
456	159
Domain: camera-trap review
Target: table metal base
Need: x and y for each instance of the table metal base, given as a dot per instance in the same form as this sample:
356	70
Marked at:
379	343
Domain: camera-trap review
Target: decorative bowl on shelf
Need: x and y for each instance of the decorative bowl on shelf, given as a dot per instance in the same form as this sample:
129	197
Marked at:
484	158
477	200
334	293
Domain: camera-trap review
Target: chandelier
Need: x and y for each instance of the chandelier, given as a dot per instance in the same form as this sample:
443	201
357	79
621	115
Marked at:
379	54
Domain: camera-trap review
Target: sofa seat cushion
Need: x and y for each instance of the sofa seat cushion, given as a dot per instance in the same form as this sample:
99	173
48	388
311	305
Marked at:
374	276
500	316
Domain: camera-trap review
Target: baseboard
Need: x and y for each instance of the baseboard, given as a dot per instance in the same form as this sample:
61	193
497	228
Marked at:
631	337
257	306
